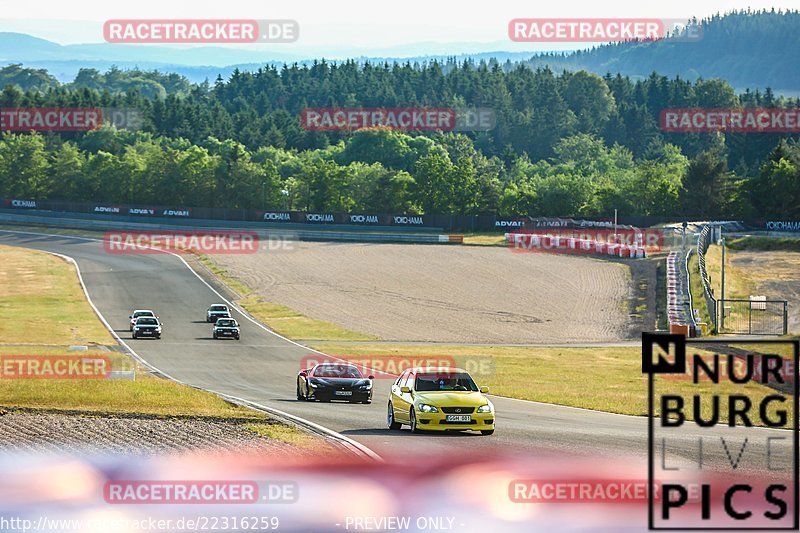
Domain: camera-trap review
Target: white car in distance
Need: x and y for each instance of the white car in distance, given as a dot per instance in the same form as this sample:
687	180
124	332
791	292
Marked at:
139	313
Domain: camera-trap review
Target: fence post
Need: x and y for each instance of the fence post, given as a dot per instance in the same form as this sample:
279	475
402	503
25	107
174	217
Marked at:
722	283
785	318
716	317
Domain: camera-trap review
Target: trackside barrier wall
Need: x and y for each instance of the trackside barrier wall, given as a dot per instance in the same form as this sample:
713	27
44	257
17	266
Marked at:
282	216
104	224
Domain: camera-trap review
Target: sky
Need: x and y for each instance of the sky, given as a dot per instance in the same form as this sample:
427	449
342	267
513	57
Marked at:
357	26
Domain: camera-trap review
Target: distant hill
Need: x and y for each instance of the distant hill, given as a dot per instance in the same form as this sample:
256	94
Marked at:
748	49
16	47
197	64
20	47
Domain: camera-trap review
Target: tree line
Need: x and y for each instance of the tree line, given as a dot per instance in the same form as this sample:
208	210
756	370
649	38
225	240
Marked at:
388	171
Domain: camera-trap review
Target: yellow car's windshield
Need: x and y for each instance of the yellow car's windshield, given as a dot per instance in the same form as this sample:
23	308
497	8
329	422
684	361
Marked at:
437	381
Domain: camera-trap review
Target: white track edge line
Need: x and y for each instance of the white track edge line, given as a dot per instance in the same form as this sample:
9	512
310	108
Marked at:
298	420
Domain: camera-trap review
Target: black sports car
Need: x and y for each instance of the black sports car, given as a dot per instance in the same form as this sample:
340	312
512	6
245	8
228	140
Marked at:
334	381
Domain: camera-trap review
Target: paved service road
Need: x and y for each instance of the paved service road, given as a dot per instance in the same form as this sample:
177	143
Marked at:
262	367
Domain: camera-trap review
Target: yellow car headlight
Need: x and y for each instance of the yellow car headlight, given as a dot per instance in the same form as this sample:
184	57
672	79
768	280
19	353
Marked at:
485	408
425	408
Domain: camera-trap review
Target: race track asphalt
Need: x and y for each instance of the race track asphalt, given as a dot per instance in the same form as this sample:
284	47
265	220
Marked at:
262	368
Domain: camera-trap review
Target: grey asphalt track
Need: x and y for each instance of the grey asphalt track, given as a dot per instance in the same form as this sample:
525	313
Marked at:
262	368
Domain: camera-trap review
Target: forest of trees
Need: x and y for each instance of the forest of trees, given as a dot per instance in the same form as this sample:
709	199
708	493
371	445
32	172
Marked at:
386	171
569	144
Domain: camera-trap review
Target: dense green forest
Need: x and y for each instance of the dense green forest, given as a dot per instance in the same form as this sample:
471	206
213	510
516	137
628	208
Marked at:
569	143
443	173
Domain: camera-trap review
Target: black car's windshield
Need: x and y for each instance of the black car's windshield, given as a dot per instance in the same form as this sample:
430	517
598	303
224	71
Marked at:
336	371
448	381
226	323
145	321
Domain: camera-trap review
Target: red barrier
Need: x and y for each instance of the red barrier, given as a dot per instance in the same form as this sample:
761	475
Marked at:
534	242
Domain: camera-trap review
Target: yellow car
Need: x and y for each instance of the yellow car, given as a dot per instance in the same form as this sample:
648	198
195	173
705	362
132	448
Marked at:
439	399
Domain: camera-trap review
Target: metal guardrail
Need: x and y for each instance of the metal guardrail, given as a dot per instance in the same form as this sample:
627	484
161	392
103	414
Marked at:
679	297
703	242
692	309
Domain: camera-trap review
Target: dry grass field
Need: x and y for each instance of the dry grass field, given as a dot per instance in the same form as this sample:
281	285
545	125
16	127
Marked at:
775	274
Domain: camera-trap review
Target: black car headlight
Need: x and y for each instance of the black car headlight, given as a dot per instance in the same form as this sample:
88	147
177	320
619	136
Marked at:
364	385
313	383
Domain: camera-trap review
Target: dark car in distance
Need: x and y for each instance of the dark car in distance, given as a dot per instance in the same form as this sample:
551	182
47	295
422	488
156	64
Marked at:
147	326
226	327
334	381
